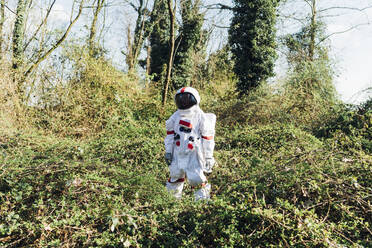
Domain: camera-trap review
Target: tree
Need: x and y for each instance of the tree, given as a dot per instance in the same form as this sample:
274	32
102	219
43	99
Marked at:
159	39
252	40
43	56
172	18
141	31
19	33
98	5
315	18
186	43
310	68
2	21
42	24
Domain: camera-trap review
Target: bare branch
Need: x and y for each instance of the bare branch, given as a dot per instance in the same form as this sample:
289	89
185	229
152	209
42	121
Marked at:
93	29
58	43
302	21
6	6
348	8
134	6
106	5
42	23
341	32
101	33
219	6
309	2
218	26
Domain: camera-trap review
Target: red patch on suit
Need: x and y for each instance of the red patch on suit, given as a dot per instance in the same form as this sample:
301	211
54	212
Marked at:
185	123
207	137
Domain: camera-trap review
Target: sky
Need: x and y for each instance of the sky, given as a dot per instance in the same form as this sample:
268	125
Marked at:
352	50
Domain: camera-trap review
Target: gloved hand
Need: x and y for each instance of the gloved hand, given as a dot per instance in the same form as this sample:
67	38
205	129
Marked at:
168	158
209	163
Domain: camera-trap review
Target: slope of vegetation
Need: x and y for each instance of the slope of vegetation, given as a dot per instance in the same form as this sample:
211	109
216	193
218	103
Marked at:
91	174
81	141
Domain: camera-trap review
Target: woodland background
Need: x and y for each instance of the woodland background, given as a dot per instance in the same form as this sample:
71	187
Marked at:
81	138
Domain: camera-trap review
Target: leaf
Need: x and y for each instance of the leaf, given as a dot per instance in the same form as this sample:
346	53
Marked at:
126	243
115	222
132	222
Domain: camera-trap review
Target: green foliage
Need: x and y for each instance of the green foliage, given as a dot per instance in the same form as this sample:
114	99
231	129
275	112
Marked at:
299	44
12	112
275	185
351	125
220	65
252	41
19	33
186	43
272	104
159	39
95	92
311	72
294	169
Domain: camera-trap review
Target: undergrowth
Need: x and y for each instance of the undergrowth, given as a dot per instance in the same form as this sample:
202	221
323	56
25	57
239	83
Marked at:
292	171
275	185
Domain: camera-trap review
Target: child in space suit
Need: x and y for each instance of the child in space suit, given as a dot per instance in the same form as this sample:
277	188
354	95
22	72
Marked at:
189	145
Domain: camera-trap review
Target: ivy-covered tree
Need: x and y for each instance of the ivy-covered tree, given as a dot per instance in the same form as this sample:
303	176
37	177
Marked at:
2	21
159	39
252	40
19	33
186	43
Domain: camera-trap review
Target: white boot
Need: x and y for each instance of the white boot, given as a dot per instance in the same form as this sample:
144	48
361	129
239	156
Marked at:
175	189
203	193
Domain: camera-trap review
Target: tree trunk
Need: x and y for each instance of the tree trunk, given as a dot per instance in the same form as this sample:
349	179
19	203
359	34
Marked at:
148	58
2	21
171	50
129	56
93	27
312	31
138	38
18	34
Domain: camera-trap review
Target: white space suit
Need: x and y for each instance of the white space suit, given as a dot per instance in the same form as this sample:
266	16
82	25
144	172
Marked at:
189	145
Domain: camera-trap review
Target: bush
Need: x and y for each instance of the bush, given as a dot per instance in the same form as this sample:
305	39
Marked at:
270	104
351	125
12	111
275	185
96	93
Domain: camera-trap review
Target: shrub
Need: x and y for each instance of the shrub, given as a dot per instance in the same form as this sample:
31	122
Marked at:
351	125
12	111
96	93
270	104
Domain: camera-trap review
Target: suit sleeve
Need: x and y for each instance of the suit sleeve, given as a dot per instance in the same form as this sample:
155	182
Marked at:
207	129
168	141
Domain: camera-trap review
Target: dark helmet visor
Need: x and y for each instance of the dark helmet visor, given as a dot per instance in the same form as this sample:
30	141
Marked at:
185	100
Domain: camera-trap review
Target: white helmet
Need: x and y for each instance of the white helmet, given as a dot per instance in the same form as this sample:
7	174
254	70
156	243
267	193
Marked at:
187	97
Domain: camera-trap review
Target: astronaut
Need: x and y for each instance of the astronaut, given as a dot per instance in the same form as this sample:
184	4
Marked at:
189	145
